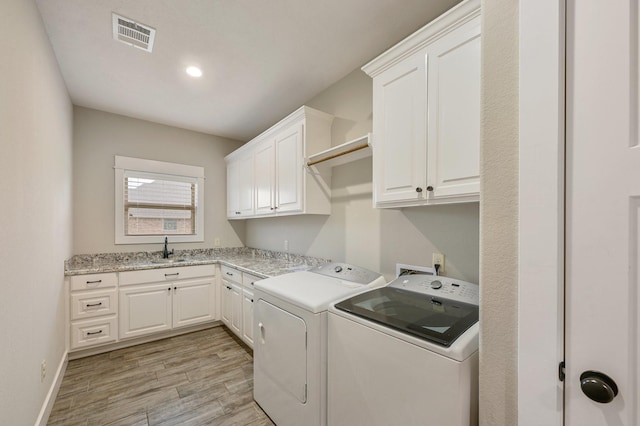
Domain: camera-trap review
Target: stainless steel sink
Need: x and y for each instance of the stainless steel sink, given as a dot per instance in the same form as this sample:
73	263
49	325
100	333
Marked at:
164	261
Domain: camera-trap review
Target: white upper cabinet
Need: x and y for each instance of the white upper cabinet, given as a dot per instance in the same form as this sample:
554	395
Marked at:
426	113
265	176
281	183
290	169
399	130
240	190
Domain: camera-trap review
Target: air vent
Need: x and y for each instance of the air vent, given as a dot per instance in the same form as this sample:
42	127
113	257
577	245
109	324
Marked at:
133	33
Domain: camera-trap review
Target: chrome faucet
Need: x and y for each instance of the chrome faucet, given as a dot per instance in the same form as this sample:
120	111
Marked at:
166	253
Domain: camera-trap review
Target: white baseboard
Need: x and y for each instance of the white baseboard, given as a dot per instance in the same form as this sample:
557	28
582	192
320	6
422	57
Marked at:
45	411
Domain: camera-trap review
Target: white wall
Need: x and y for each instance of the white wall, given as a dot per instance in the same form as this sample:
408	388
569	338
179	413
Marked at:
35	234
99	136
499	215
355	232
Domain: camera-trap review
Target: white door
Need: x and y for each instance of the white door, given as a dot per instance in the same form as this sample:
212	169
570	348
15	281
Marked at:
264	159
453	109
247	317
226	303
233	189
603	213
289	176
193	302
145	309
400	141
245	185
280	359
236	309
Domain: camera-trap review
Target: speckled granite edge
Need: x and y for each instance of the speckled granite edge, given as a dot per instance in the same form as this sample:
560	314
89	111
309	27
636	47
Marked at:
260	262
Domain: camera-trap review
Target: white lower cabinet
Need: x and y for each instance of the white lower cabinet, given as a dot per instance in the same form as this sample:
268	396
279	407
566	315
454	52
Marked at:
145	309
157	300
237	302
93	309
247	316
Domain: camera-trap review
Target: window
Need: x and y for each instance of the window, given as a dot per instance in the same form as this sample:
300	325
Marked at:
155	199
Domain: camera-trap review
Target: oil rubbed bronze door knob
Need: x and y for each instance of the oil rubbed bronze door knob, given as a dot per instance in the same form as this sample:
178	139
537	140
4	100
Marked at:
598	386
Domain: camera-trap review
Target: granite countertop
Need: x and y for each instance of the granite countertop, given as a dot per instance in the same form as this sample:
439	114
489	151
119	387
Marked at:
263	263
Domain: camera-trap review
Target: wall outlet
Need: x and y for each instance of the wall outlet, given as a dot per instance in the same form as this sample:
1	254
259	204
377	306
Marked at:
43	370
216	242
438	259
286	245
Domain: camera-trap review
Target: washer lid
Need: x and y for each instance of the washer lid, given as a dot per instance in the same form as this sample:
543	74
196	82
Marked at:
434	318
310	291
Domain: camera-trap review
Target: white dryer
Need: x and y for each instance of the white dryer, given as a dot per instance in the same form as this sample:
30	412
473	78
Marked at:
290	339
405	354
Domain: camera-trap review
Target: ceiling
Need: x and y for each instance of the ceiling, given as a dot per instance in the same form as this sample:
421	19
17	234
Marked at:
261	59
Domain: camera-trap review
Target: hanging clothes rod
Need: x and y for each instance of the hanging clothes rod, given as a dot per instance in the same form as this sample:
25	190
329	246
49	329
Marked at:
341	150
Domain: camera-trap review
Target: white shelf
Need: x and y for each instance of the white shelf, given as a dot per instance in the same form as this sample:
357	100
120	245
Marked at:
342	154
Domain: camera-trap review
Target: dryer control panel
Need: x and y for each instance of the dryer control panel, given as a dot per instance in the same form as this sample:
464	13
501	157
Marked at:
444	287
347	272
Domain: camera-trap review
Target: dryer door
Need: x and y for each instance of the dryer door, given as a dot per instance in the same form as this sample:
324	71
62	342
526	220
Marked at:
280	357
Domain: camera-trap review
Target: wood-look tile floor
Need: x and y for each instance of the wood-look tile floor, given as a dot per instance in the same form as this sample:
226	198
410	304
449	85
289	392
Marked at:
200	378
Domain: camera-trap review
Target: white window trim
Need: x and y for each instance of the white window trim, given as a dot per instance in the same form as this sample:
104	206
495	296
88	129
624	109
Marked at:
161	167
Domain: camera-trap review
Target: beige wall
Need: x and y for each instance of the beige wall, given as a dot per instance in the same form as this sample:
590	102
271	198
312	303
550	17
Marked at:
35	235
99	136
499	215
355	232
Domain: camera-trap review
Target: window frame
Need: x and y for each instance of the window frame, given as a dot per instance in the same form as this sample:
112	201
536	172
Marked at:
162	169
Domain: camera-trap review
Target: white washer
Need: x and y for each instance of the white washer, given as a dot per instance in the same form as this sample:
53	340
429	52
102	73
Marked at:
405	354
290	339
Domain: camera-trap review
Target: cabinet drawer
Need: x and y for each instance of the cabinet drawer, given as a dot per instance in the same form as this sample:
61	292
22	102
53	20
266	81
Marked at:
248	280
166	274
93	281
93	304
93	332
231	274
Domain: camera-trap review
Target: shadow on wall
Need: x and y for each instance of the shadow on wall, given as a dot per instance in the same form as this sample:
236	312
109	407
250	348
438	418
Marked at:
412	235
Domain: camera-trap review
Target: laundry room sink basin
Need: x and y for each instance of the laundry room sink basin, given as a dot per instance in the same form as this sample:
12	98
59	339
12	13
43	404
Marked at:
165	261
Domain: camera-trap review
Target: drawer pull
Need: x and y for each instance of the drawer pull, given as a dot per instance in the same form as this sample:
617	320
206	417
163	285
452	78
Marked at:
228	288
93	305
229	273
91	333
96	282
251	300
172	275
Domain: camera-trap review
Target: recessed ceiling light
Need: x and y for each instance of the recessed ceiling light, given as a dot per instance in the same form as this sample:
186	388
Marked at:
194	71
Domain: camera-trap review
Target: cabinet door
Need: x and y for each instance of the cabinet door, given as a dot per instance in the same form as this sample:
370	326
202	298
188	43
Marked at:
264	160
247	317
233	190
399	143
453	88
236	309
226	303
193	302
245	186
289	172
145	309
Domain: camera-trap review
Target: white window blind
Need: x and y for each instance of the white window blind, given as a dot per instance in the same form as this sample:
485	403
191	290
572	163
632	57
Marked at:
156	199
159	204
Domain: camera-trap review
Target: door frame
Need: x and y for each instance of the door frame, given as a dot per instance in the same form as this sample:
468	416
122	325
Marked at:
541	211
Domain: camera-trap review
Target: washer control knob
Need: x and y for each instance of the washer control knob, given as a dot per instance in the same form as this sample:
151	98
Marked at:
436	285
338	268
